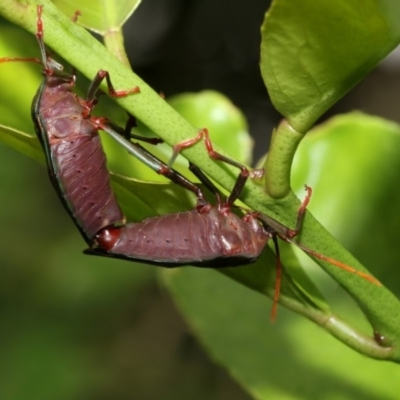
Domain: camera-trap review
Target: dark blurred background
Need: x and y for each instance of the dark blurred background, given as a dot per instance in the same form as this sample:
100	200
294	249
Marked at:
68	333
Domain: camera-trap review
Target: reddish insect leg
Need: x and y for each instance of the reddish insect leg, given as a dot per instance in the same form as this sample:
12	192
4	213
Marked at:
291	233
93	91
39	37
244	172
96	82
283	231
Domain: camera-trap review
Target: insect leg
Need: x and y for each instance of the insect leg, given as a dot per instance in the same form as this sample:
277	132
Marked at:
291	233
244	172
146	157
282	230
130	124
91	96
206	182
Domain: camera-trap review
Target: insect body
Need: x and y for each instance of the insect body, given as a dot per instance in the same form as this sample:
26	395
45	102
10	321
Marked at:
204	236
209	236
75	157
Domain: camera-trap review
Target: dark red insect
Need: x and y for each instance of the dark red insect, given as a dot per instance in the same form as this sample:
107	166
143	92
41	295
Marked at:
208	236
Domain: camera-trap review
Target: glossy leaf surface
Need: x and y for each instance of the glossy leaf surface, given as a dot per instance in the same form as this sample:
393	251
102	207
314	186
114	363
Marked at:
312	53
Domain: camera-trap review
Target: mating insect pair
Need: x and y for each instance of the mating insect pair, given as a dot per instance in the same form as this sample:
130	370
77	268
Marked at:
209	236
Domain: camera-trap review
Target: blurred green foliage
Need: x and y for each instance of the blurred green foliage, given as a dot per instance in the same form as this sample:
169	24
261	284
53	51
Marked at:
72	326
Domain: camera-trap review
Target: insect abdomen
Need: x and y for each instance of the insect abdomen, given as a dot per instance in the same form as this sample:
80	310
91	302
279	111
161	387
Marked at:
76	160
184	238
173	238
84	181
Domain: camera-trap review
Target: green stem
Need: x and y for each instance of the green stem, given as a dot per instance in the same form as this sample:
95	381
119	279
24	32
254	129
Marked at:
277	166
114	42
342	331
262	280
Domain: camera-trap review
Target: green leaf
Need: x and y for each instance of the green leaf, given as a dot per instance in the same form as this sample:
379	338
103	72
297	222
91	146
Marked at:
22	142
99	16
140	199
314	52
292	359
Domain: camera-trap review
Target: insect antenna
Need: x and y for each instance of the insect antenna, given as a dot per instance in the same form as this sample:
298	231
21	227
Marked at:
334	262
22	59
